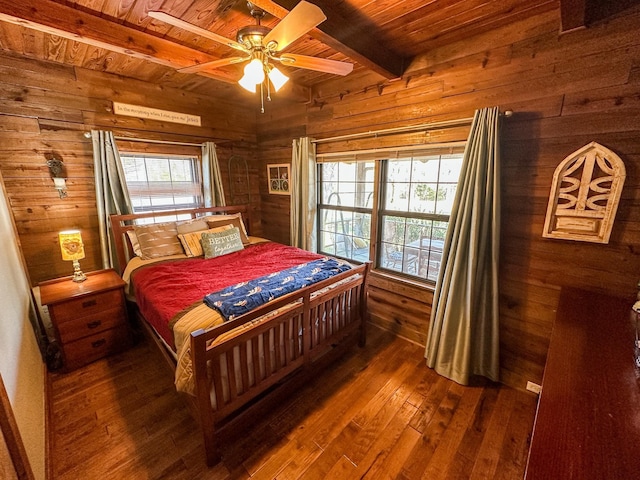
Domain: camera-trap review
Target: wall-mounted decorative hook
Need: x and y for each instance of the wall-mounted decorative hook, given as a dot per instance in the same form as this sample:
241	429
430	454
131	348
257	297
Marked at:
58	174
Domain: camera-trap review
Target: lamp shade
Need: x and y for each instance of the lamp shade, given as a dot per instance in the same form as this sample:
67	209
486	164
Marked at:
255	71
246	83
278	79
71	245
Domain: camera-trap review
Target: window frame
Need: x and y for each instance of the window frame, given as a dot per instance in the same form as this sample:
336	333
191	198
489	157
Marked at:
378	211
197	180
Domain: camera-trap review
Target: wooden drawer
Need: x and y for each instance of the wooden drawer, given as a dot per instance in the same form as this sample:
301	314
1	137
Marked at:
91	348
85	326
87	305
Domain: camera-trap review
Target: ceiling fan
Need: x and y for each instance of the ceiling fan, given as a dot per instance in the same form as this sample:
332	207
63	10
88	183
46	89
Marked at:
260	46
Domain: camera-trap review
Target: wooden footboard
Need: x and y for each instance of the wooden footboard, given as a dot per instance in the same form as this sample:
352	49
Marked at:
237	362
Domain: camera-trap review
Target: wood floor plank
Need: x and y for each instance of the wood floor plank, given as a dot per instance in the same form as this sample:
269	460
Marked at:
375	427
391	466
377	413
517	439
374	462
300	463
467	451
422	453
489	454
452	437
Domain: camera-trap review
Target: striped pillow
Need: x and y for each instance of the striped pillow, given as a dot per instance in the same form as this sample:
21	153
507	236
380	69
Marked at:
158	240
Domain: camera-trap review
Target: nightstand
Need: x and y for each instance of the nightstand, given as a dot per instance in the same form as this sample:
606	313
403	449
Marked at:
89	318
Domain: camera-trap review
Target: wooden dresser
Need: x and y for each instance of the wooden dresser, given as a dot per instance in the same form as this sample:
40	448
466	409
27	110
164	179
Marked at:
89	318
588	420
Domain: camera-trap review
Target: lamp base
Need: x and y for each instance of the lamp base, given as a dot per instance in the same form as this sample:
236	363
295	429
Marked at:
78	276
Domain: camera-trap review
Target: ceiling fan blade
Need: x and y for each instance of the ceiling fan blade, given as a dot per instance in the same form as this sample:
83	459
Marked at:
315	63
176	22
223	62
296	23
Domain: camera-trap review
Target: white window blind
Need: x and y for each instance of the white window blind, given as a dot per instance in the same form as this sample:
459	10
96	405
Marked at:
162	182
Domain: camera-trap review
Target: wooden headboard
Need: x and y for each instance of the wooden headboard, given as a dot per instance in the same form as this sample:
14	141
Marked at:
120	224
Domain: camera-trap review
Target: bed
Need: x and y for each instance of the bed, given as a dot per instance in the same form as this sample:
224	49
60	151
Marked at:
230	366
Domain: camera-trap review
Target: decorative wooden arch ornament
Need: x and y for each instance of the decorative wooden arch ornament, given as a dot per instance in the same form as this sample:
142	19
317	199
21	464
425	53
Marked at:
584	195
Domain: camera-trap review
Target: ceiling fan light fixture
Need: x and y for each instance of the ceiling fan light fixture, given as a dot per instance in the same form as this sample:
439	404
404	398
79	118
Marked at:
278	79
247	83
255	71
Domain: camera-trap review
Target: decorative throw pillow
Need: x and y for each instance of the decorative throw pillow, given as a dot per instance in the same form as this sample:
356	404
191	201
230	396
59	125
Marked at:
133	239
232	220
221	243
193	225
191	241
158	240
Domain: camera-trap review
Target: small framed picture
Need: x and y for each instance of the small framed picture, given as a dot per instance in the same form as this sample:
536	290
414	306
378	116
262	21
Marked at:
278	177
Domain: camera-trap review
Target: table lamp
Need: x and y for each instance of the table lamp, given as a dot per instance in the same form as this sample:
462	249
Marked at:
73	249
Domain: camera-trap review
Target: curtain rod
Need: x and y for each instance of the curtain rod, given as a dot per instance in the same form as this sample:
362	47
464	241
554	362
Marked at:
386	131
166	142
392	149
411	128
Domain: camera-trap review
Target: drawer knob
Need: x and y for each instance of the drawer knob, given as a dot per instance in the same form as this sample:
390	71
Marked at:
88	303
98	343
94	324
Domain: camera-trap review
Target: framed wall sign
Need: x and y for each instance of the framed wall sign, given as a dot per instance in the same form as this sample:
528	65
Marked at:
278	176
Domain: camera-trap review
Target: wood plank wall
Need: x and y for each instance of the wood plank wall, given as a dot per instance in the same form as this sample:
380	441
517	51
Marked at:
566	91
281	123
45	108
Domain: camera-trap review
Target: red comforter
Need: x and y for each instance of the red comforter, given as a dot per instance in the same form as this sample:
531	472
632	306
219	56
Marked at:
165	290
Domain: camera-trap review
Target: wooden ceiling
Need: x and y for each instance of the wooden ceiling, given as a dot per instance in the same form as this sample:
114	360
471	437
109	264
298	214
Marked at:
118	36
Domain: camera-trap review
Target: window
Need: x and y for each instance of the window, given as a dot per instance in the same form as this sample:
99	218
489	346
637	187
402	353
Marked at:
415	195
162	182
346	196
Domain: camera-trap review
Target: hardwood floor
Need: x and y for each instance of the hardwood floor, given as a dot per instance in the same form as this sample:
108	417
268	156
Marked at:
377	413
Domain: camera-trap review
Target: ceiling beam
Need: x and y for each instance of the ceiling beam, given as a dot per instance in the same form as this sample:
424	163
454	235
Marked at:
66	22
76	25
578	14
338	33
573	15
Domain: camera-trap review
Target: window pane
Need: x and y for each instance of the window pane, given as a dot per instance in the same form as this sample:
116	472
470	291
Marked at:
399	171
397	196
347	184
450	168
445	198
422	191
345	234
423	197
162	182
343	231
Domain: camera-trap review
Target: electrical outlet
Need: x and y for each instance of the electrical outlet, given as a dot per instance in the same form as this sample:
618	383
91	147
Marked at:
534	387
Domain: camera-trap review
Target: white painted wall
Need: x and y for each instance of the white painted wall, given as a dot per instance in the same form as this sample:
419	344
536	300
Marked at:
20	361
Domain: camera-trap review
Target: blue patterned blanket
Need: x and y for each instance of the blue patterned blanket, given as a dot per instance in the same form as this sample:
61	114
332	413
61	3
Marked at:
243	297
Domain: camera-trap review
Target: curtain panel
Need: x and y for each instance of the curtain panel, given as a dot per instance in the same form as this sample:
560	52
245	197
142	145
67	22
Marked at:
112	195
304	203
464	331
211	177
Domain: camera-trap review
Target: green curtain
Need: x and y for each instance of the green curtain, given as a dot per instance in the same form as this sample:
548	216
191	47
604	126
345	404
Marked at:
303	194
211	177
112	195
464	331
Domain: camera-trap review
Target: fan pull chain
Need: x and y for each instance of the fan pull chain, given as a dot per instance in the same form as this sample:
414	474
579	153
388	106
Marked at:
261	98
